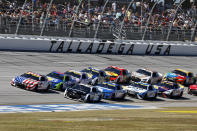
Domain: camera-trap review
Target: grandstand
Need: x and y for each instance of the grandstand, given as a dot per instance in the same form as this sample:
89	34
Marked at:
172	20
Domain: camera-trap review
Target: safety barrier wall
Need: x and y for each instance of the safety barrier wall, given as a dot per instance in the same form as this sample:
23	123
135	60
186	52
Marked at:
68	45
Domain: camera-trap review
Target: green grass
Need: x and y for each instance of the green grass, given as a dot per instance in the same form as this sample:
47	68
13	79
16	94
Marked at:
115	120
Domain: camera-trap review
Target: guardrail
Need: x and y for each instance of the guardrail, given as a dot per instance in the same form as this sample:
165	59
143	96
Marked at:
91	46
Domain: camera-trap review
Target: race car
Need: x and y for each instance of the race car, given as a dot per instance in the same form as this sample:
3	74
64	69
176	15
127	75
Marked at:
180	76
170	89
146	76
31	81
192	89
56	80
98	76
118	75
86	93
141	90
111	91
73	77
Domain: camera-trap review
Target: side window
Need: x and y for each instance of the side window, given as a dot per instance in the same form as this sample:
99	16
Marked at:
94	90
118	87
154	74
124	72
190	74
42	78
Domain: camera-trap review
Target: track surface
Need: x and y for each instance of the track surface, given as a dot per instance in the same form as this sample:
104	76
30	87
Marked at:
16	63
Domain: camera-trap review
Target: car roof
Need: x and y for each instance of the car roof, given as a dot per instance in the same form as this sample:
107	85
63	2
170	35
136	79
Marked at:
34	74
118	68
182	70
58	72
74	71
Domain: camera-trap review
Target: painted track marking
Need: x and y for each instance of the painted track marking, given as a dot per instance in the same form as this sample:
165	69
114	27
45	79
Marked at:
66	107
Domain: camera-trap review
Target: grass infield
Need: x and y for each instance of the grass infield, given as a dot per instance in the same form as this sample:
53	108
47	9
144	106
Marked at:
165	119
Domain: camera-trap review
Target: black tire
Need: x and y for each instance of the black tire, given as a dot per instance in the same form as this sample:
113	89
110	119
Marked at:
171	95
113	96
36	88
86	100
155	97
48	87
123	97
118	81
181	94
189	91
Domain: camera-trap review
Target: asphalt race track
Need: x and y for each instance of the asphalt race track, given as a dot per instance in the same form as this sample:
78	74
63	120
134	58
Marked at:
16	63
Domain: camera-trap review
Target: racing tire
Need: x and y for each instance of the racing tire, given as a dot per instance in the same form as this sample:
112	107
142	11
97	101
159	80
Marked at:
155	97
87	99
48	87
189	91
181	94
171	95
113	96
36	88
123	97
118	81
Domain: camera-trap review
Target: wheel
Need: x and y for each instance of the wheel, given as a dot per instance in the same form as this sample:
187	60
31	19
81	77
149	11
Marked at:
189	91
113	96
122	98
48	87
171	95
155	96
36	88
181	94
118	81
87	99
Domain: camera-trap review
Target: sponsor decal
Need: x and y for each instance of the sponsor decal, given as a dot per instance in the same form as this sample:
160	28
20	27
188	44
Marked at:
111	48
66	107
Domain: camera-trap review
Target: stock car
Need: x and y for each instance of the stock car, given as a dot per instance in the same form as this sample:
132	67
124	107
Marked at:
170	89
98	76
146	76
111	91
86	93
55	79
73	77
192	89
118	75
31	81
180	76
141	90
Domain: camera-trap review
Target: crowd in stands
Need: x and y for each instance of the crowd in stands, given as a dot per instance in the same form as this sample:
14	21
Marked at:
91	14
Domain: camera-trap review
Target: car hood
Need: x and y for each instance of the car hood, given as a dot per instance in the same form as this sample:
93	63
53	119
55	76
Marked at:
111	73
104	90
54	80
20	79
139	75
194	87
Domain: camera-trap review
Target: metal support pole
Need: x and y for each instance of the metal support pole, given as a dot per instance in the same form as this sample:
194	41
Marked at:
147	23
20	18
193	32
48	10
95	35
124	18
32	16
73	22
173	20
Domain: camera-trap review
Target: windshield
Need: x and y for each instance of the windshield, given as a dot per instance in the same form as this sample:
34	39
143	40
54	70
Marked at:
144	72
73	74
113	70
34	78
170	86
93	72
82	88
55	75
26	75
179	73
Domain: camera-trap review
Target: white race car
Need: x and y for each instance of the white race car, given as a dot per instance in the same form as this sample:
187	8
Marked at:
147	76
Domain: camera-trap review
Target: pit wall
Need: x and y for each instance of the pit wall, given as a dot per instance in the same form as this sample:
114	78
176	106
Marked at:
90	46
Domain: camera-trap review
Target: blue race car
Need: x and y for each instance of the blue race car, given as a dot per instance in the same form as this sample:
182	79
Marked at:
141	90
98	76
18	80
56	80
111	91
170	89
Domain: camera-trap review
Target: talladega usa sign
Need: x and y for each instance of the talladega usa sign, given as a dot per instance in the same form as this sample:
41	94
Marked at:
125	47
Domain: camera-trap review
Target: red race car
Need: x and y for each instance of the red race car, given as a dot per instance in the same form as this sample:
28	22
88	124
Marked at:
118	75
192	89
